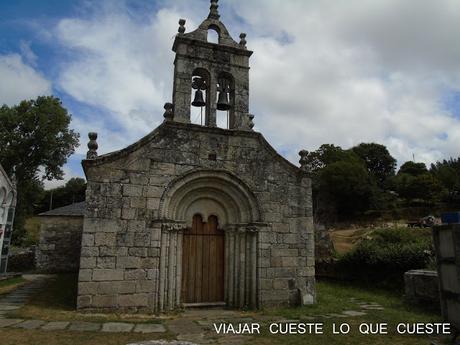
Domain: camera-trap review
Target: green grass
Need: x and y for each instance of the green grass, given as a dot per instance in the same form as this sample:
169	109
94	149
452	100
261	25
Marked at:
336	297
57	302
8	285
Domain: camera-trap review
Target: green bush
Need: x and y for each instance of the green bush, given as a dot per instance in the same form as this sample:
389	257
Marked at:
383	256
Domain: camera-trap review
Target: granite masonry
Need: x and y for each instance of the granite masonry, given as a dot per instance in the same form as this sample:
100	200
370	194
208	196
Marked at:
156	210
59	246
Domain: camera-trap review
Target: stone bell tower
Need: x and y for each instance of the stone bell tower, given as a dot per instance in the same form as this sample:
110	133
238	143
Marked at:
217	73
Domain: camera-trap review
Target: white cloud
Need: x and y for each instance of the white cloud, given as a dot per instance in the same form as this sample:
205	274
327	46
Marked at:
322	72
20	81
68	174
120	66
355	72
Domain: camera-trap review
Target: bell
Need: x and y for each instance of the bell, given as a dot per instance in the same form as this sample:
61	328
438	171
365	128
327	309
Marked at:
222	102
198	100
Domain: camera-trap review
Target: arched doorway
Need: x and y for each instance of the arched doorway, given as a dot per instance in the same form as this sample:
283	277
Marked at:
203	262
209	203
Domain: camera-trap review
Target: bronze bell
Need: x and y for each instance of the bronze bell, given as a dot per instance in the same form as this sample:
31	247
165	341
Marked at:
222	101
198	101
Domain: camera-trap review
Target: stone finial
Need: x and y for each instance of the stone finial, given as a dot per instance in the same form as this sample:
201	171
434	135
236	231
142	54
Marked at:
213	12
92	146
243	40
181	29
250	121
169	113
304	161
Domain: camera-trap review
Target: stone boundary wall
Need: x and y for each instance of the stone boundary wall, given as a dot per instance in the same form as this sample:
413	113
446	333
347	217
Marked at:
421	287
60	244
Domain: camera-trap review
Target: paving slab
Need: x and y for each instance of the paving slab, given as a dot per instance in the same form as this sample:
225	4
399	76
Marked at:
149	328
55	325
8	307
162	342
353	313
30	324
117	327
9	322
84	326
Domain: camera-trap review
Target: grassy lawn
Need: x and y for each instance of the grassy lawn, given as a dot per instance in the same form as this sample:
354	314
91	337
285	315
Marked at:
57	302
8	285
333	298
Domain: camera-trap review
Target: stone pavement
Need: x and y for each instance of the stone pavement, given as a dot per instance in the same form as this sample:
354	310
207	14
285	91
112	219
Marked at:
17	298
193	326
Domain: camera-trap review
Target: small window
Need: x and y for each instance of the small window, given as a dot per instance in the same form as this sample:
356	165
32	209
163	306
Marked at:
213	36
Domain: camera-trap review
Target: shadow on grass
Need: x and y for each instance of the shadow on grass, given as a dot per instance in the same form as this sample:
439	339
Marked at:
59	293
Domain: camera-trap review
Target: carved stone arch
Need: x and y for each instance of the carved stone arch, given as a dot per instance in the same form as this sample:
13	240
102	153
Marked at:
217	187
211	193
216	29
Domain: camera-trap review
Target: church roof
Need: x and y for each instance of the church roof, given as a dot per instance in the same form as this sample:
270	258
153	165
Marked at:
73	210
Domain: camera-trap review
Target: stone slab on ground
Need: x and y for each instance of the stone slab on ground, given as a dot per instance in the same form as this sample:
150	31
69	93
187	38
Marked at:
55	325
117	327
30	324
163	342
8	307
353	313
84	326
149	328
9	322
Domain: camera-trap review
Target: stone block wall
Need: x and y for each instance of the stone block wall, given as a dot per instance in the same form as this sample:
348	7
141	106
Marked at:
422	287
60	244
129	254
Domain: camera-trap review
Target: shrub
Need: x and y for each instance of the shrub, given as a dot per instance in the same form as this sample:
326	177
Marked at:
383	256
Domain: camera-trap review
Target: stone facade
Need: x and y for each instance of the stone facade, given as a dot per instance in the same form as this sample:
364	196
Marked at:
141	200
59	245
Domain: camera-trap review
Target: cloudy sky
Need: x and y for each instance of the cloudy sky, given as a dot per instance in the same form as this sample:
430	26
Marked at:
341	72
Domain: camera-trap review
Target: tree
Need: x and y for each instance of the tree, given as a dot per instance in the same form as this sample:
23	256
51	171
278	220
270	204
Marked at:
412	168
35	142
448	174
413	181
348	185
328	154
379	162
73	191
341	183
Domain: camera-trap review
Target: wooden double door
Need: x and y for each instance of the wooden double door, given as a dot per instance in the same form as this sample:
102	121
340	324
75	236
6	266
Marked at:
203	262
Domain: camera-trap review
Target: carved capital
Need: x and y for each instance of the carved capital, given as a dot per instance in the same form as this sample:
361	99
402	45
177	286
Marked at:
173	226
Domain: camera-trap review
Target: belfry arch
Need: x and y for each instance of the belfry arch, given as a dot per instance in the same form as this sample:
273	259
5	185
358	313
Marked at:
219	194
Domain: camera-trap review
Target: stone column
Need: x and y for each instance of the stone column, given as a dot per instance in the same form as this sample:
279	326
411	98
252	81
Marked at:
252	231
242	266
170	266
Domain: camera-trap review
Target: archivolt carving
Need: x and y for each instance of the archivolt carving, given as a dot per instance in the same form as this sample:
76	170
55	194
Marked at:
209	192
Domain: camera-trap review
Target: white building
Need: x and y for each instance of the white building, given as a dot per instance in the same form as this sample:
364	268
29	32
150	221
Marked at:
7	207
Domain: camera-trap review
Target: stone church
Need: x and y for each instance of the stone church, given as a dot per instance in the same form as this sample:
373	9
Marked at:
194	214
